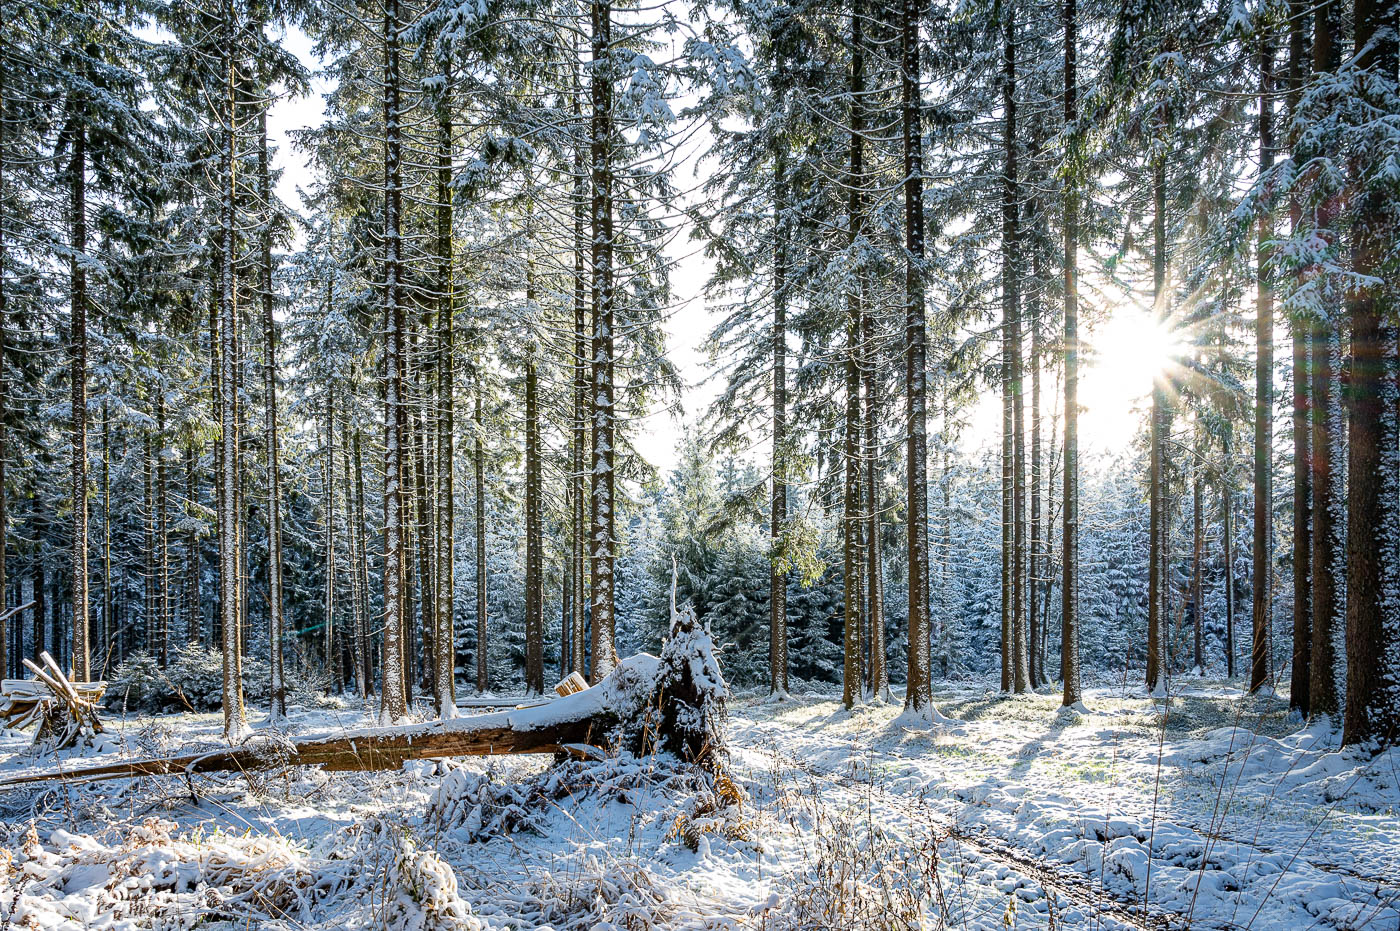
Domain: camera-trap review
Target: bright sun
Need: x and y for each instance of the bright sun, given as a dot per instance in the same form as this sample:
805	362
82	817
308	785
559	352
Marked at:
1127	351
1123	355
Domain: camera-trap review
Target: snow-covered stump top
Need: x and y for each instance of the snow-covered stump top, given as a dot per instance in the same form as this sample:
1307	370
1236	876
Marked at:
674	702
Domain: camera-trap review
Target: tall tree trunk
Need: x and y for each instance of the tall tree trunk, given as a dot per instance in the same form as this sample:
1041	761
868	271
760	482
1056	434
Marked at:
852	614
235	720
408	494
332	656
602	477
1227	531
578	537
1011	298
1158	517
419	649
1008	512
777	512
1036	559
1013	427
1260	671
874	559
162	525
1373	670
1069	534
445	660
1299	696
107	523
1325	683
918	696
534	517
940	644
41	595
415	585
479	473
393	701
149	612
1197	544
277	696
77	347
192	610
5	656
355	528
1047	557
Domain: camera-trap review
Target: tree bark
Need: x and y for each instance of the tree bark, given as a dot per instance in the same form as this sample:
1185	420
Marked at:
1260	667
41	595
332	655
918	696
602	477
578	640
149	620
107	620
4	390
479	473
1372	713
445	638
1227	506
162	528
1036	567
355	527
1197	544
777	511
393	701
1069	534
534	516
419	651
230	601
78	347
1299	696
1325	683
277	696
852	613
874	559
194	618
1016	676
1158	432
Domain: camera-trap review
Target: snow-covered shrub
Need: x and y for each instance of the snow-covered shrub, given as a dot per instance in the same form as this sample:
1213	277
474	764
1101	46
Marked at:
471	806
618	895
717	809
311	687
156	877
191	681
421	893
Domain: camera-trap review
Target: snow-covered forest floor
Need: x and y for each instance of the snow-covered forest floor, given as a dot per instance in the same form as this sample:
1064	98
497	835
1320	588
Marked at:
1222	815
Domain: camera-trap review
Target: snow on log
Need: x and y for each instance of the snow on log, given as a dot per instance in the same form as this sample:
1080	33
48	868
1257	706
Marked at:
674	702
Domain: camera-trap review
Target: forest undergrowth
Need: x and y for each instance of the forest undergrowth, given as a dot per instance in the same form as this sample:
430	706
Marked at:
1220	814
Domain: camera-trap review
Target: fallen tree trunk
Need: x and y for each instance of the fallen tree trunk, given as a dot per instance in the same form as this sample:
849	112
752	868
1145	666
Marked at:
364	752
672	702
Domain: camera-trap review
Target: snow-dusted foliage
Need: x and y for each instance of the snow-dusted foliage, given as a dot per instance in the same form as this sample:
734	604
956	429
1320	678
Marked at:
191	681
420	890
153	871
469	805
